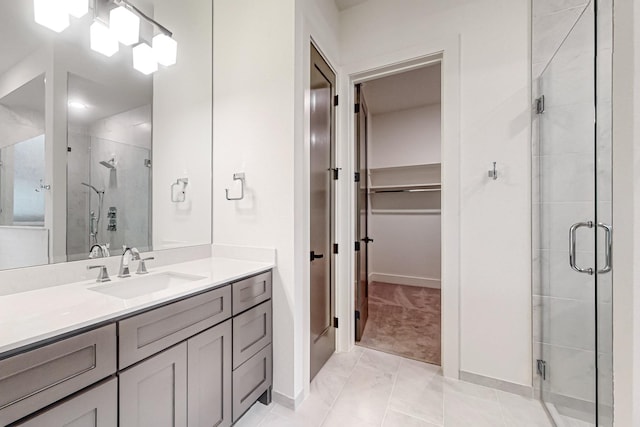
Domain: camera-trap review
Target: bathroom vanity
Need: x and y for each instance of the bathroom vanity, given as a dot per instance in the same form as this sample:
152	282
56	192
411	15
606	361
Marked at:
197	354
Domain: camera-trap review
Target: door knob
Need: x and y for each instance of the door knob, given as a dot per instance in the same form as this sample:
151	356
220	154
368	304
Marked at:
316	256
367	240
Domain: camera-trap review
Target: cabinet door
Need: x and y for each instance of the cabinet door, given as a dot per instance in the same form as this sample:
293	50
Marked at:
154	392
209	386
97	407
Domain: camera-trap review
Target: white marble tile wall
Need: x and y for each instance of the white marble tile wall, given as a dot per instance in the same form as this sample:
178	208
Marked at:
127	188
563	193
369	388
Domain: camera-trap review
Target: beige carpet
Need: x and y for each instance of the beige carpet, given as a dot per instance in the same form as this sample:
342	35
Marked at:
404	320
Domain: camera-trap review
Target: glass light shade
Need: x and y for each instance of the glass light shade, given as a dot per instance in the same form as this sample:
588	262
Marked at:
77	8
144	59
165	48
125	25
102	39
51	14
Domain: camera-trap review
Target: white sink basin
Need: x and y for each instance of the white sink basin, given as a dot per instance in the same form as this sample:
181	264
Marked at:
137	286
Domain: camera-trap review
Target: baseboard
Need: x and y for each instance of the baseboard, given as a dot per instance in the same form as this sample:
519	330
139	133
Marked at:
287	401
405	280
505	386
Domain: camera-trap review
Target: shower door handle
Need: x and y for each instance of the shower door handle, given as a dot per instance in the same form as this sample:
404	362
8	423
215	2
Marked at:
608	245
572	247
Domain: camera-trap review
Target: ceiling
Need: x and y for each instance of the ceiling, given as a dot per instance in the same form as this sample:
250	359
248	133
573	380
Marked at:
29	97
104	101
411	89
346	4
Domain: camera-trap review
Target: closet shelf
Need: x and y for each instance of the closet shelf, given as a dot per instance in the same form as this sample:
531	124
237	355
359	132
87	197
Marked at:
408	188
400	178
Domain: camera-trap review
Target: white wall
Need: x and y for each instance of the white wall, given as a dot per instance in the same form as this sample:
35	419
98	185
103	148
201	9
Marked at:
495	216
254	133
406	137
182	120
259	129
406	247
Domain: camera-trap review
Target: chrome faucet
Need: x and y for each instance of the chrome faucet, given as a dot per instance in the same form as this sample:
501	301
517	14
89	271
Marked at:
128	254
99	251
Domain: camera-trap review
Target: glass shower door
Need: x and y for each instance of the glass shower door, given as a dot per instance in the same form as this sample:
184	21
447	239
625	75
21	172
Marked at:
573	292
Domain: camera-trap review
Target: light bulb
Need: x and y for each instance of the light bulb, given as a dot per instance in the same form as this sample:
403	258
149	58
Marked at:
125	25
77	8
51	14
144	59
165	49
102	39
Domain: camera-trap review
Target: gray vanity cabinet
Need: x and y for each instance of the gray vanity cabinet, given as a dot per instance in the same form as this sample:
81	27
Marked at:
154	392
96	407
209	377
187	385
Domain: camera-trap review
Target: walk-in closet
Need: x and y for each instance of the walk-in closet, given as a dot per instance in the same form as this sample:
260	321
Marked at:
400	216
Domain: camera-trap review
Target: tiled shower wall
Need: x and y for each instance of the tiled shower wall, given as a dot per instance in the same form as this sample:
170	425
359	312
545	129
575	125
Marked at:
563	164
127	138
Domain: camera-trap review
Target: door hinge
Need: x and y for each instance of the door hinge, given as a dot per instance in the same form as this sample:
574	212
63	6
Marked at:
357	108
356	177
68	149
335	100
357	246
541	368
335	248
540	105
335	322
357	314
336	172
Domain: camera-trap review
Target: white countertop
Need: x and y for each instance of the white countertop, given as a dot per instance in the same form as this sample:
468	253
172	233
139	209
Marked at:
29	317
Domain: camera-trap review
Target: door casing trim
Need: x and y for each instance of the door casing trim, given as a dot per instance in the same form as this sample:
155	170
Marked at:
446	51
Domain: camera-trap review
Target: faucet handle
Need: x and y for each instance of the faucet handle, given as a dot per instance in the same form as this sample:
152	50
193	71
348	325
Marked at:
103	275
142	266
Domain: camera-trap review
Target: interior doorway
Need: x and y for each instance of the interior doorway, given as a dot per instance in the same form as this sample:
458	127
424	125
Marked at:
322	222
398	224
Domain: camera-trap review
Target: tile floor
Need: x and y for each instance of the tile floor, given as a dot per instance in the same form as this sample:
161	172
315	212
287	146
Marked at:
369	388
404	320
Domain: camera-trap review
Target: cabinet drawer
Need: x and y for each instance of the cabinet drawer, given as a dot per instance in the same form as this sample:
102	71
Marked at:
151	332
251	291
251	332
37	378
97	407
250	380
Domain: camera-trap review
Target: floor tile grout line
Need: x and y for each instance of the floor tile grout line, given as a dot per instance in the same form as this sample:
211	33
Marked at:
335	399
393	387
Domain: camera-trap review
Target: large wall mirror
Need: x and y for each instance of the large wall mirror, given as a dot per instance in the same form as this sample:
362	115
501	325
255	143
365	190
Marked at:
102	151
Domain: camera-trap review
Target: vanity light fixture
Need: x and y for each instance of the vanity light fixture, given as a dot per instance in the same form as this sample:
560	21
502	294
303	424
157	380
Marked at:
102	39
144	60
165	49
125	25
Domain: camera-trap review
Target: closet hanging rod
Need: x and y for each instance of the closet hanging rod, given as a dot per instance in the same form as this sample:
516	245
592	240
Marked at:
408	190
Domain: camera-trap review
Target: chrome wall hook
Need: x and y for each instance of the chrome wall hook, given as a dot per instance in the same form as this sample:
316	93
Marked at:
237	177
493	173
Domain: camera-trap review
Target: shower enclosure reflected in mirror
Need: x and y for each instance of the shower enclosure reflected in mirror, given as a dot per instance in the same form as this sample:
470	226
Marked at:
22	173
108	166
